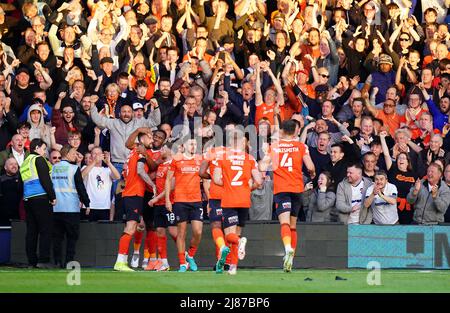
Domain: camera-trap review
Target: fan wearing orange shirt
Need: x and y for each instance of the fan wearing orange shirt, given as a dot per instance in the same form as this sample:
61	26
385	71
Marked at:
414	112
237	172
388	114
214	193
286	158
133	197
187	200
272	97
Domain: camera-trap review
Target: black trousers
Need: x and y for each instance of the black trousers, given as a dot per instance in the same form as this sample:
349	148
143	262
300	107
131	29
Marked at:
98	215
65	225
39	229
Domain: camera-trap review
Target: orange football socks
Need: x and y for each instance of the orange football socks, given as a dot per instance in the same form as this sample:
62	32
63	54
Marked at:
286	235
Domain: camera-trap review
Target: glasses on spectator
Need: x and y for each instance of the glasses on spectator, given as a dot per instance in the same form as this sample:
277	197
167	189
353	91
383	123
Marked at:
325	75
56	158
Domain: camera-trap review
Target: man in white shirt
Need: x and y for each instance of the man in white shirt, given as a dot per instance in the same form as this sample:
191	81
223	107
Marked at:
98	181
17	151
380	202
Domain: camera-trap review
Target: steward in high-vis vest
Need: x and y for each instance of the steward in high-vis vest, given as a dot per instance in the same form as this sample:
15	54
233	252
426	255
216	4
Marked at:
39	197
70	190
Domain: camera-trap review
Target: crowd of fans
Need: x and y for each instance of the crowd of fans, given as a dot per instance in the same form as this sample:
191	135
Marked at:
367	81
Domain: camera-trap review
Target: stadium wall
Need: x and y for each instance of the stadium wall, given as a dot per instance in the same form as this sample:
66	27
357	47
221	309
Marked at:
333	246
319	245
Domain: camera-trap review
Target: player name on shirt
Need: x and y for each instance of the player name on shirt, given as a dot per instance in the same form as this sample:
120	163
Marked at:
285	148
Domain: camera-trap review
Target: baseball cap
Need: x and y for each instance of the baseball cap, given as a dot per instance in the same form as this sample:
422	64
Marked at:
106	60
385	59
137	106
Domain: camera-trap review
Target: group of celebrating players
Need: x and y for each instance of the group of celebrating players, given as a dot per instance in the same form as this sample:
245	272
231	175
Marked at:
163	191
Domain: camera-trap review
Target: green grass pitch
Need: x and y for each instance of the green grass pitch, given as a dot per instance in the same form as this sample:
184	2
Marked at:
105	280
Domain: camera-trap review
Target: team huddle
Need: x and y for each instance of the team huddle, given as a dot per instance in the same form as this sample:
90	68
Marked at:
163	192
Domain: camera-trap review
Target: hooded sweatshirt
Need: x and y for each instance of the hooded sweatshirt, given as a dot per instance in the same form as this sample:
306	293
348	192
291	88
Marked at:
41	130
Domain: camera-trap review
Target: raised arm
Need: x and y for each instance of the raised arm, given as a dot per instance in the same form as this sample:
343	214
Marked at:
101	121
258	93
276	83
386	154
131	141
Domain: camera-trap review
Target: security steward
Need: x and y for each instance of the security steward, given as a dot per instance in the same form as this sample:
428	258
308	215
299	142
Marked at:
39	198
70	190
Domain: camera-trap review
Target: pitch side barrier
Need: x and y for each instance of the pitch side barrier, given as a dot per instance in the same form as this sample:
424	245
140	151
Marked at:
329	245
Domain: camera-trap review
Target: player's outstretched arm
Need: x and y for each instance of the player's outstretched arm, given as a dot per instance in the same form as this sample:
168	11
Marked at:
310	166
131	141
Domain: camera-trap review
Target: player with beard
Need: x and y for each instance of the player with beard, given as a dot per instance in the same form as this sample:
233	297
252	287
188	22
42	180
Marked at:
153	159
133	198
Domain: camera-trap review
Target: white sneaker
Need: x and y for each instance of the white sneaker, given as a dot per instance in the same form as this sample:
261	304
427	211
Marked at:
232	270
144	263
241	248
135	261
288	260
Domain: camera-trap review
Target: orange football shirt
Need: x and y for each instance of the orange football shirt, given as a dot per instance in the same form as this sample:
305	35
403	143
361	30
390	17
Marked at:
237	169
134	185
287	163
187	180
213	156
265	110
